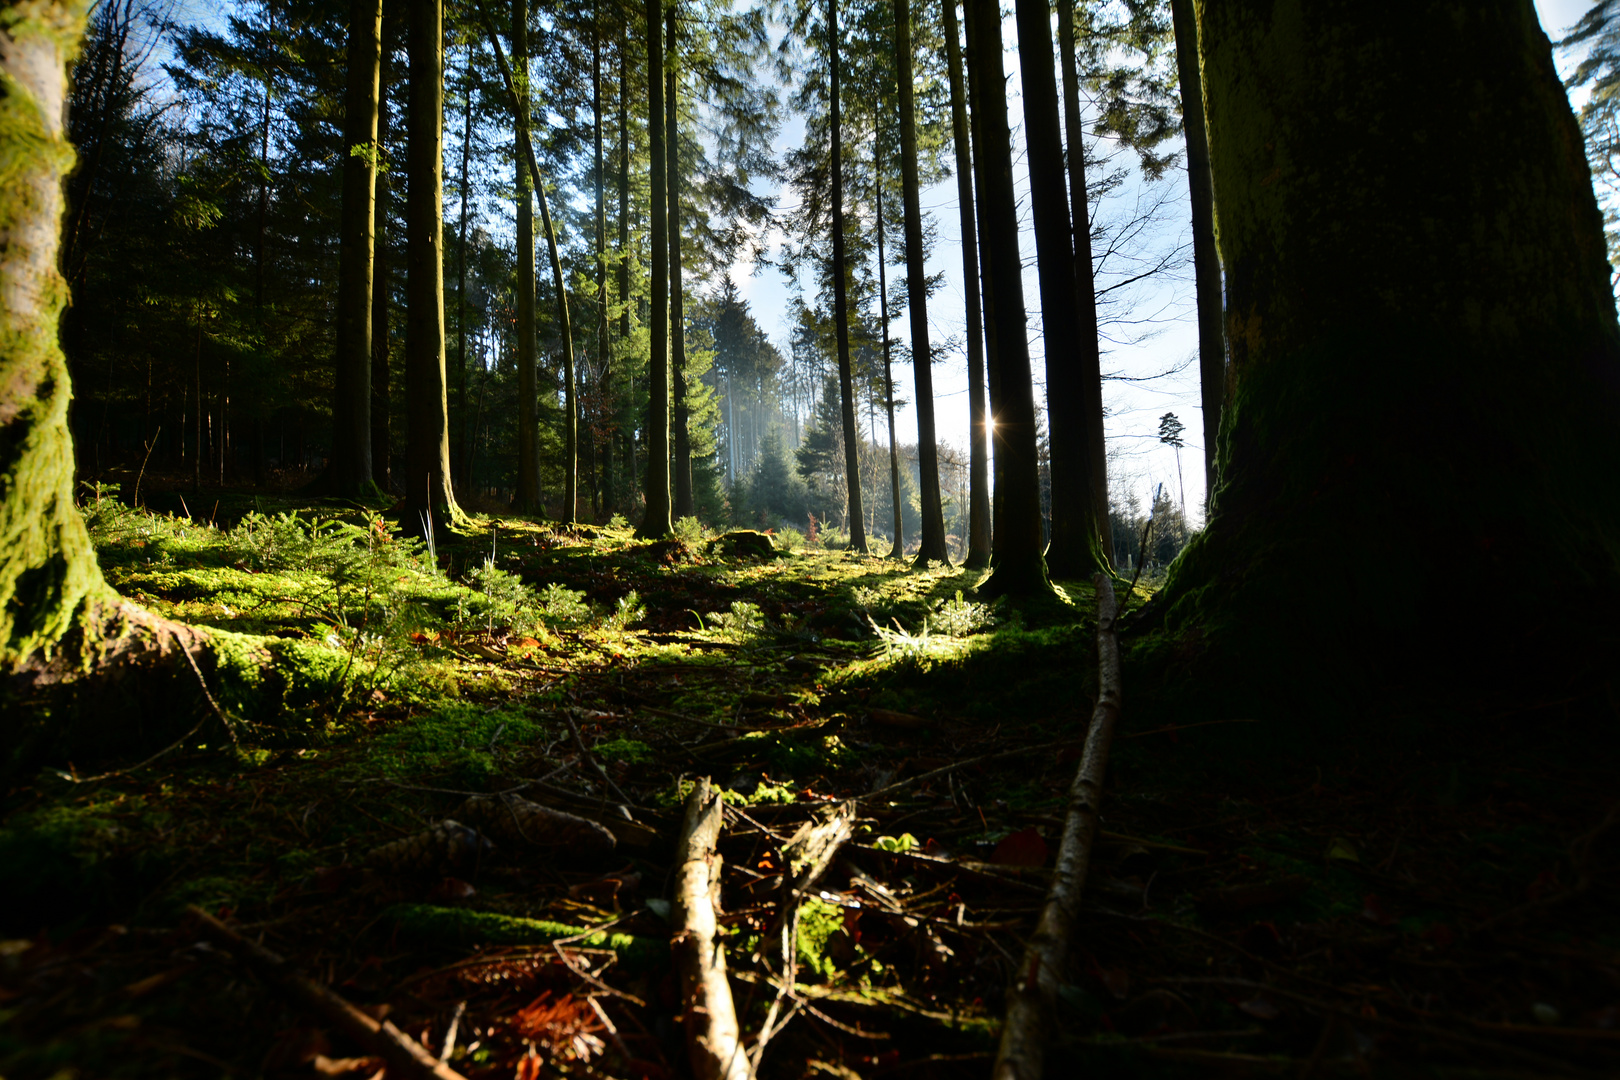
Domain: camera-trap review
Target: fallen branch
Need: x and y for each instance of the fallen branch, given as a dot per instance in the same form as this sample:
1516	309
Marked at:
960	765
404	1056
1030	999
713	1036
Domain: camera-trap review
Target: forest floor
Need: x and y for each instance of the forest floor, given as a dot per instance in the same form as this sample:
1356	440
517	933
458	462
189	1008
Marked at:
1435	906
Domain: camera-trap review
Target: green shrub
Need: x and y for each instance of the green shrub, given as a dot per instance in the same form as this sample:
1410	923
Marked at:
789	539
689	529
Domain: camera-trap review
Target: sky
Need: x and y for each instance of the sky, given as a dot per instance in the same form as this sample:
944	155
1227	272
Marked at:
1158	347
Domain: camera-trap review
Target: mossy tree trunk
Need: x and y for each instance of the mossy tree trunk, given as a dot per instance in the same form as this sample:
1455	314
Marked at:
1425	360
979	541
50	585
677	296
655	523
1206	259
427	482
350	471
528	471
840	276
1020	565
933	547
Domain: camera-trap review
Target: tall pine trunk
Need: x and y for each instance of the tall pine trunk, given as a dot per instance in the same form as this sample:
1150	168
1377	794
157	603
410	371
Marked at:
677	298
1206	260
1074	551
627	427
1020	568
840	276
655	522
933	547
427	482
978	547
604	358
464	440
380	266
528	434
349	473
899	548
1418	364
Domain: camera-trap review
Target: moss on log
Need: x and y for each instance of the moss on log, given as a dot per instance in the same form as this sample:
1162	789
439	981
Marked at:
463	927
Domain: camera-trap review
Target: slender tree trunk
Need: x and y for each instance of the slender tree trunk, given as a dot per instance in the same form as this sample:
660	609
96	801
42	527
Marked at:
899	548
656	523
349	473
677	299
840	275
1088	355
461	442
604	355
528	446
427	481
992	364
1074	551
978	547
49	580
380	447
1206	259
1020	568
933	547
627	429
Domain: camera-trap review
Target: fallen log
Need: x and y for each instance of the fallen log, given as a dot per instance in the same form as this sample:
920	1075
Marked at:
1033	993
405	1057
713	1036
519	822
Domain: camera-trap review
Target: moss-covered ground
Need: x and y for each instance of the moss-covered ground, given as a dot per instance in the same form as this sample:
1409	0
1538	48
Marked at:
1415	898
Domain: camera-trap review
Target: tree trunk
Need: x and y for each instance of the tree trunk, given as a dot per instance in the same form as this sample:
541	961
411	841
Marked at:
1088	358
1074	548
604	357
462	440
528	445
656	522
1020	568
978	548
380	448
427	482
840	275
48	575
1418	364
1206	260
677	300
628	433
349	473
933	547
899	548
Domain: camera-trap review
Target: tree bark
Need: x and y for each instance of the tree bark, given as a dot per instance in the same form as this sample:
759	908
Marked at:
604	357
1206	259
899	548
1020	568
978	548
1074	541
677	299
933	547
1088	357
528	440
840	276
380	403
628	433
462	442
427	482
655	523
1417	364
349	473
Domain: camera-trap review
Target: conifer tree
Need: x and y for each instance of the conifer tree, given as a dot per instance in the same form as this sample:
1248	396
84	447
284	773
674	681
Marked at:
655	522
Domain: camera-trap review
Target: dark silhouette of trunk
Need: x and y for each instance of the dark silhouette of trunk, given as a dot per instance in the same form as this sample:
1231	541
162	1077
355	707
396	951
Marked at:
1088	357
656	522
992	365
1403	378
899	548
380	266
349	473
978	548
627	428
1206	260
527	500
427	482
462	442
933	547
1020	568
1074	551
677	299
604	358
840	275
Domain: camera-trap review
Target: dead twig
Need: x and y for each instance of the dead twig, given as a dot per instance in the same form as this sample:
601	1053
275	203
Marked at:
585	752
1022	1053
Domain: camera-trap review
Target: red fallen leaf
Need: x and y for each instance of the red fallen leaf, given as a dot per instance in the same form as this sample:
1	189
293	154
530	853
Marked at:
529	1067
1373	908
422	639
451	888
1022	848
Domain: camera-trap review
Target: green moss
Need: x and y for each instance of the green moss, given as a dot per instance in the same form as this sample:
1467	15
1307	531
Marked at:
463	927
818	922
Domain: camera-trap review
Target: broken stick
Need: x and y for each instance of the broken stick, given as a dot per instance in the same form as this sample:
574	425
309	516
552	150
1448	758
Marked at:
1033	992
713	1036
405	1057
